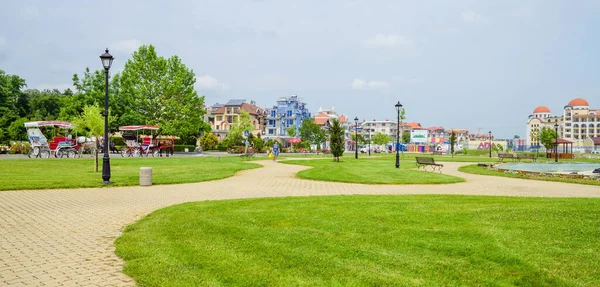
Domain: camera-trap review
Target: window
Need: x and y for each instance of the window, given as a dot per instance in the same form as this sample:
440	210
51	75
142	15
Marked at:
289	113
230	119
219	118
290	122
271	132
218	126
272	113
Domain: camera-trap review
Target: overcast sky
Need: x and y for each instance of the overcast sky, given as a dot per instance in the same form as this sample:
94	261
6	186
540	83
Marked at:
458	64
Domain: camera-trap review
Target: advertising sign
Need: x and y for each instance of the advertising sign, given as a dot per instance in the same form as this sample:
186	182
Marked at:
418	136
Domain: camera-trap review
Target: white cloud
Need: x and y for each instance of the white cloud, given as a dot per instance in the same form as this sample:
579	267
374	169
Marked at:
207	82
472	17
125	46
359	84
60	87
381	40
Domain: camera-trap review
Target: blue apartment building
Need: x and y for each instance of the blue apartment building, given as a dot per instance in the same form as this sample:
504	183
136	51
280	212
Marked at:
289	112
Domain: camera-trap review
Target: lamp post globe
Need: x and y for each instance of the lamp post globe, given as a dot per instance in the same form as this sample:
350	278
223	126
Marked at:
107	60
356	137
398	108
490	138
556	143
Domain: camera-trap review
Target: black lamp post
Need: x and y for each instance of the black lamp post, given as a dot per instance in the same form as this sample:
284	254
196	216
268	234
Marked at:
556	143
398	108
107	60
356	137
490	138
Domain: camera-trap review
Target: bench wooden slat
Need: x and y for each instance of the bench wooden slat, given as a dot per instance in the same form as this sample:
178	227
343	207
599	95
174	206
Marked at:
425	161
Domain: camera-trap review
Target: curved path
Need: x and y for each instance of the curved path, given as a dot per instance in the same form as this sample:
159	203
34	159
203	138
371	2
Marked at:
65	237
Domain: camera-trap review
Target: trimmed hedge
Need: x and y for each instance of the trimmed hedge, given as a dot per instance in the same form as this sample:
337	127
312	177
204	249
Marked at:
181	148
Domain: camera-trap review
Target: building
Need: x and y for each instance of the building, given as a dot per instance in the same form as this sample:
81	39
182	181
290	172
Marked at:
289	112
576	122
324	117
222	116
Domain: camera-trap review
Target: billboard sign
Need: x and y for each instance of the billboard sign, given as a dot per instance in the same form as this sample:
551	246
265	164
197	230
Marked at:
418	136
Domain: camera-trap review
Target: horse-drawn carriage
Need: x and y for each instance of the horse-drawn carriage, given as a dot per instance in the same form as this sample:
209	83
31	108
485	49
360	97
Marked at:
137	145
59	146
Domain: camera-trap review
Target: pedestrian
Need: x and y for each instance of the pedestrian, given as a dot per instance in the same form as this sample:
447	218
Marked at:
275	151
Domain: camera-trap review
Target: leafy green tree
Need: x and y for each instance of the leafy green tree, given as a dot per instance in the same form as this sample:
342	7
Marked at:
17	130
90	122
160	91
452	142
240	124
209	141
406	136
381	139
291	131
336	139
548	137
258	143
312	133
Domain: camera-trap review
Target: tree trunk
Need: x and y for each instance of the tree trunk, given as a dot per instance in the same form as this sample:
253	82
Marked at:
96	159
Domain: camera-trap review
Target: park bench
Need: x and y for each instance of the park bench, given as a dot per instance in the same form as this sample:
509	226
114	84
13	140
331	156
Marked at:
249	154
428	161
438	152
526	156
502	156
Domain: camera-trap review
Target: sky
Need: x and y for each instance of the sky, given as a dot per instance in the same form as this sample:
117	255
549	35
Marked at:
476	65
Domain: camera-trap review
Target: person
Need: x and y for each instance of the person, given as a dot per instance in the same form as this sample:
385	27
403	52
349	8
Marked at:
275	151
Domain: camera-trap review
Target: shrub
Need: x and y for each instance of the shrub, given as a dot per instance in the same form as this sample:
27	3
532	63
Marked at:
181	148
117	140
209	141
19	147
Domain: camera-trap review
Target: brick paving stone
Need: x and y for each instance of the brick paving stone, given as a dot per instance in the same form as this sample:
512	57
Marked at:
66	237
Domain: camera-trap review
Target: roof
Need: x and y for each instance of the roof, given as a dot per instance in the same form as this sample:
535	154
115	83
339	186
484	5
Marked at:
321	121
342	119
596	140
60	124
434	128
322	115
251	109
578	102
564	141
412	125
235	102
541	109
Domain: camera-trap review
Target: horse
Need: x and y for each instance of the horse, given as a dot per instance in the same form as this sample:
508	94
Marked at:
86	143
167	145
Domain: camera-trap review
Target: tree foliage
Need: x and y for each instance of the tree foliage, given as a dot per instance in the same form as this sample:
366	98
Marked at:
336	139
160	91
548	138
90	122
381	138
241	124
452	142
312	133
291	131
405	136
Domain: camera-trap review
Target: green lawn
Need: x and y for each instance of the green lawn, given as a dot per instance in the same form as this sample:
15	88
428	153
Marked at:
474	169
424	240
374	170
75	173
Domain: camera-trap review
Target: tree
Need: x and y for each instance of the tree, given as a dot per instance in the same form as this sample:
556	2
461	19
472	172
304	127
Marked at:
241	124
258	143
160	91
452	142
312	133
406	136
336	139
17	130
209	141
381	139
548	138
91	123
291	131
10	94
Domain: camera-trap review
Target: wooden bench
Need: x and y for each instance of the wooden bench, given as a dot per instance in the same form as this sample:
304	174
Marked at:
526	156
438	152
249	154
425	161
502	156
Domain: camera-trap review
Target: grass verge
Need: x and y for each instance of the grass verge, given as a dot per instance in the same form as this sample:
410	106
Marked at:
474	169
370	171
76	173
424	240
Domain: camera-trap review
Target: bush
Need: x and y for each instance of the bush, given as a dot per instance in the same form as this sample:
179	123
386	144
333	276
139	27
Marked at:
222	146
209	141
4	149
236	149
19	147
117	140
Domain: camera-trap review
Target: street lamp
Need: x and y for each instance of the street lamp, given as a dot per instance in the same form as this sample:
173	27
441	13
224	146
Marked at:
398	108
107	60
556	143
490	138
356	137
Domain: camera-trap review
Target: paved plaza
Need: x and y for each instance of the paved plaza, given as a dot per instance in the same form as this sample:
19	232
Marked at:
65	237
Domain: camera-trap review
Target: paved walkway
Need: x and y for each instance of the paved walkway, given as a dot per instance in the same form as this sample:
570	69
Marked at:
65	237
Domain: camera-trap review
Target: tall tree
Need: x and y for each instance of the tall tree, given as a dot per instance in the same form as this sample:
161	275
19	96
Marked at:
10	92
291	131
405	136
336	139
241	124
452	142
312	133
381	138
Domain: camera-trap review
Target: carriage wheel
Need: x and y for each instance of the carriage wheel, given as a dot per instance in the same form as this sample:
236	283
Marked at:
45	153
71	154
58	153
124	152
155	152
35	152
136	152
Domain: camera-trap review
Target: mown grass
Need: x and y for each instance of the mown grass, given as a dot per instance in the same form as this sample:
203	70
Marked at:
375	170
424	240
474	169
76	173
